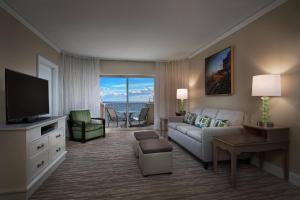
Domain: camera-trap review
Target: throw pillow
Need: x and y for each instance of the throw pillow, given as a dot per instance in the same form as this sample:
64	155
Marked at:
186	117
197	120
204	122
192	118
221	123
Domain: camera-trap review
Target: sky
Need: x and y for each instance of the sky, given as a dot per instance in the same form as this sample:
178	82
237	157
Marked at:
215	62
114	89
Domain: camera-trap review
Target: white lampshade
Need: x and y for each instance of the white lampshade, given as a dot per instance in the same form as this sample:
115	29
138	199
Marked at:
266	85
182	94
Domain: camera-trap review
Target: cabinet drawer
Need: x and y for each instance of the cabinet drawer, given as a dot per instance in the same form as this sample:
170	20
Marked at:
56	136
38	163
38	146
56	150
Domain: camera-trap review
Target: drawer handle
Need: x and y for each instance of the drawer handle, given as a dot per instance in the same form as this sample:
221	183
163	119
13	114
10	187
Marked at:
41	146
57	150
40	164
57	136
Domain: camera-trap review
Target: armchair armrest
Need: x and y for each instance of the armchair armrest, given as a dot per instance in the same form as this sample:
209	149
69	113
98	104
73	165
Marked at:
210	132
176	118
103	122
71	124
99	118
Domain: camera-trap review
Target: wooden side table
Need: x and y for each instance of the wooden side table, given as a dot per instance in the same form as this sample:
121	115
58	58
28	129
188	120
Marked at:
254	139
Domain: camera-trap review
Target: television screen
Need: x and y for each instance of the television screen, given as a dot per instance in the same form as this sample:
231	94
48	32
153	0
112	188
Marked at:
26	96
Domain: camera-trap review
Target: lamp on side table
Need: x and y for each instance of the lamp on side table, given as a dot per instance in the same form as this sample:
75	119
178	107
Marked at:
266	86
181	94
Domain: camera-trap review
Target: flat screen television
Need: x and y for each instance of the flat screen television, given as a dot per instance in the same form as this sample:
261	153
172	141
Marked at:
27	97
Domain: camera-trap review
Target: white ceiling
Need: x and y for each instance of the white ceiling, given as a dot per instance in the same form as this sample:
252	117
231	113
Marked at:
135	29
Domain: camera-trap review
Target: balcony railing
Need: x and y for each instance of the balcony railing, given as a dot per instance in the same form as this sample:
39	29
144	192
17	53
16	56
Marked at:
134	109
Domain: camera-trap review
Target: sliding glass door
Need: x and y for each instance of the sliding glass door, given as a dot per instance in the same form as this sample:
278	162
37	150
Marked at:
130	98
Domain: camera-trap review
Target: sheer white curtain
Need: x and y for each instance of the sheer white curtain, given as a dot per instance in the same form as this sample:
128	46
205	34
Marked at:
79	84
169	77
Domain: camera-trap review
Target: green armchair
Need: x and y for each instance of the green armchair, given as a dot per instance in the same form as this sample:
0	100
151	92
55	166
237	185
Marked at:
83	128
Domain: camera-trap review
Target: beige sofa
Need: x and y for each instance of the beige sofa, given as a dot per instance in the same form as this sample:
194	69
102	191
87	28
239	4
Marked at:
198	141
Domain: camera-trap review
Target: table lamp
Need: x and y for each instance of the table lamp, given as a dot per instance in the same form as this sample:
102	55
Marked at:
265	86
181	94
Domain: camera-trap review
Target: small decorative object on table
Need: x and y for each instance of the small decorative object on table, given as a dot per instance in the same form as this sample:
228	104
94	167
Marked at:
266	86
182	94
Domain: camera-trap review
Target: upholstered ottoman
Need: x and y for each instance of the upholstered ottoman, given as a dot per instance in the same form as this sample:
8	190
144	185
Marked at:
155	156
142	135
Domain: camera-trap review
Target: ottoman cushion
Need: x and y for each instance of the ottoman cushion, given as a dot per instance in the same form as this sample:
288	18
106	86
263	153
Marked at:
144	135
155	146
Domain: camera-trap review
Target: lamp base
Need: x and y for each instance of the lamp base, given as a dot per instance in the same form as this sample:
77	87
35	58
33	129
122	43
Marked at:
265	124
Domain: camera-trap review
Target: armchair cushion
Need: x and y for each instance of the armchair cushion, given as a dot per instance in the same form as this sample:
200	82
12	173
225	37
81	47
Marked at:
88	127
81	115
89	134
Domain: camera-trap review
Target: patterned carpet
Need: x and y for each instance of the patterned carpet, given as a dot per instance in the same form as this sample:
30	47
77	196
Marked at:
107	169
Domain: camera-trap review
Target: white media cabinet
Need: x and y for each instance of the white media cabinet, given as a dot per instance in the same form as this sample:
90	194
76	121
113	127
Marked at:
29	153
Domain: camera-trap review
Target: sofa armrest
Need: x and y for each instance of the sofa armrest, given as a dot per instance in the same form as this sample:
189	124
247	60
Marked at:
176	118
209	133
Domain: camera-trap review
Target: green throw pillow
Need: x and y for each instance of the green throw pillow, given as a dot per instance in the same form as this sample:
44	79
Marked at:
186	117
221	123
192	118
198	119
204	122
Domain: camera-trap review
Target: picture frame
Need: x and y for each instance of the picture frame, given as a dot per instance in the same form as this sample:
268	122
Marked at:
219	73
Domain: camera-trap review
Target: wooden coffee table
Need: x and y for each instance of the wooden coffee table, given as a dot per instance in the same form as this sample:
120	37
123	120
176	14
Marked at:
253	139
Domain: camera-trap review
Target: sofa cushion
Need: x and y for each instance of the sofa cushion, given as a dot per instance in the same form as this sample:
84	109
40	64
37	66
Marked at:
195	134
184	129
175	124
198	111
210	112
234	117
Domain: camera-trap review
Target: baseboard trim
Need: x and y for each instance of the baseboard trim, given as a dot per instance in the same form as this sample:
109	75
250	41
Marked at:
277	171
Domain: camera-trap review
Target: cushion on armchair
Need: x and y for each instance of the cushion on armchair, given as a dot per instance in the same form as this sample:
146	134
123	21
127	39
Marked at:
81	115
88	127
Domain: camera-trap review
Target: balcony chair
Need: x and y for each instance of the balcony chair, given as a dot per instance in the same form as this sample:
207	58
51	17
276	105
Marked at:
141	120
83	128
113	117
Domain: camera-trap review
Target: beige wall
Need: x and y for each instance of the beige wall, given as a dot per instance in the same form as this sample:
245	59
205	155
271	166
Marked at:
269	45
19	48
111	67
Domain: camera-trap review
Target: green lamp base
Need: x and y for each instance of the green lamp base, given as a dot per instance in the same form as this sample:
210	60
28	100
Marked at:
265	117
